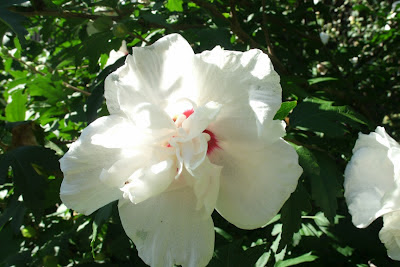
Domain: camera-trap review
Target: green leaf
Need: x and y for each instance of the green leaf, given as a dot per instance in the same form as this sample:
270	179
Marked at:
325	188
103	24
174	5
102	215
308	257
323	116
26	163
94	46
13	20
323	174
9	244
15	111
291	214
285	109
53	91
15	211
321	79
233	255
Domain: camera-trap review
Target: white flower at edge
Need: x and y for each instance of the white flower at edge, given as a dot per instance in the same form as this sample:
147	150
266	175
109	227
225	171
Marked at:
187	133
115	55
324	37
372	186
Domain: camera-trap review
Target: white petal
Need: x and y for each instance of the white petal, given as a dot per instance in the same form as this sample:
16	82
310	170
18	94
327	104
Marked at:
205	182
390	234
159	73
115	131
371	187
255	184
247	87
149	181
82	165
324	37
201	118
168	229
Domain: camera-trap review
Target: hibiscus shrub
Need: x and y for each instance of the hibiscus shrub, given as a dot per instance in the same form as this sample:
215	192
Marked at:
338	63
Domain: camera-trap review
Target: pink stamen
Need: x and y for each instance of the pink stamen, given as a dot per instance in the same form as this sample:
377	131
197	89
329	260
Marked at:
213	142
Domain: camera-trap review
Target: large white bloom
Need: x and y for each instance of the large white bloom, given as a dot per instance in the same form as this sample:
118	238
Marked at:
186	134
372	186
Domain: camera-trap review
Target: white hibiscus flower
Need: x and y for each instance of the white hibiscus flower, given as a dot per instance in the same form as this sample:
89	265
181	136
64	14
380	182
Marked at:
372	186
186	134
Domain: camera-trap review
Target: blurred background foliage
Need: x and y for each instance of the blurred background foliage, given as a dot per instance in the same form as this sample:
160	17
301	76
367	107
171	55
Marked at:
339	68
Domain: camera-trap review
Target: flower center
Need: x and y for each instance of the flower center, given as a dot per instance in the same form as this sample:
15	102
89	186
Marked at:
212	141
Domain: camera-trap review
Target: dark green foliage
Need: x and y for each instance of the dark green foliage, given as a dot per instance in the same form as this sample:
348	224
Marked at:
52	73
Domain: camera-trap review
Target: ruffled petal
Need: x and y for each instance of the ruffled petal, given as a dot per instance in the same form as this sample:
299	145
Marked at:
160	74
168	229
205	181
149	181
82	189
247	87
390	234
371	187
115	131
255	183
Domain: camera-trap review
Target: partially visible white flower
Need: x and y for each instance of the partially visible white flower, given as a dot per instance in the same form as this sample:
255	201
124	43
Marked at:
393	11
115	55
316	2
354	60
372	186
324	37
186	134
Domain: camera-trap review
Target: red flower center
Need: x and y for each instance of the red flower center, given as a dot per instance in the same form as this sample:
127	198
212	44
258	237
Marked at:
213	142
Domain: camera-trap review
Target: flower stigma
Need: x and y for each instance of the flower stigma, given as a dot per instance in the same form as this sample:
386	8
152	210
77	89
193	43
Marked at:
209	135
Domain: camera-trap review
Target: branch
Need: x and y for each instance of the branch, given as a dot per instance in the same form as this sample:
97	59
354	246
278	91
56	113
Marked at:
264	29
34	70
237	29
28	12
211	8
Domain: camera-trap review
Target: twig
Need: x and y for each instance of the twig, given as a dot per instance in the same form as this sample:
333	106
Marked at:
210	7
67	85
34	70
237	29
264	29
137	36
56	13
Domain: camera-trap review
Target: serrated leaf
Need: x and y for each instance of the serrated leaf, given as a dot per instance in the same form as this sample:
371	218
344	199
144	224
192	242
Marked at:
15	111
323	116
174	5
322	173
308	257
325	187
291	214
285	109
45	87
308	161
